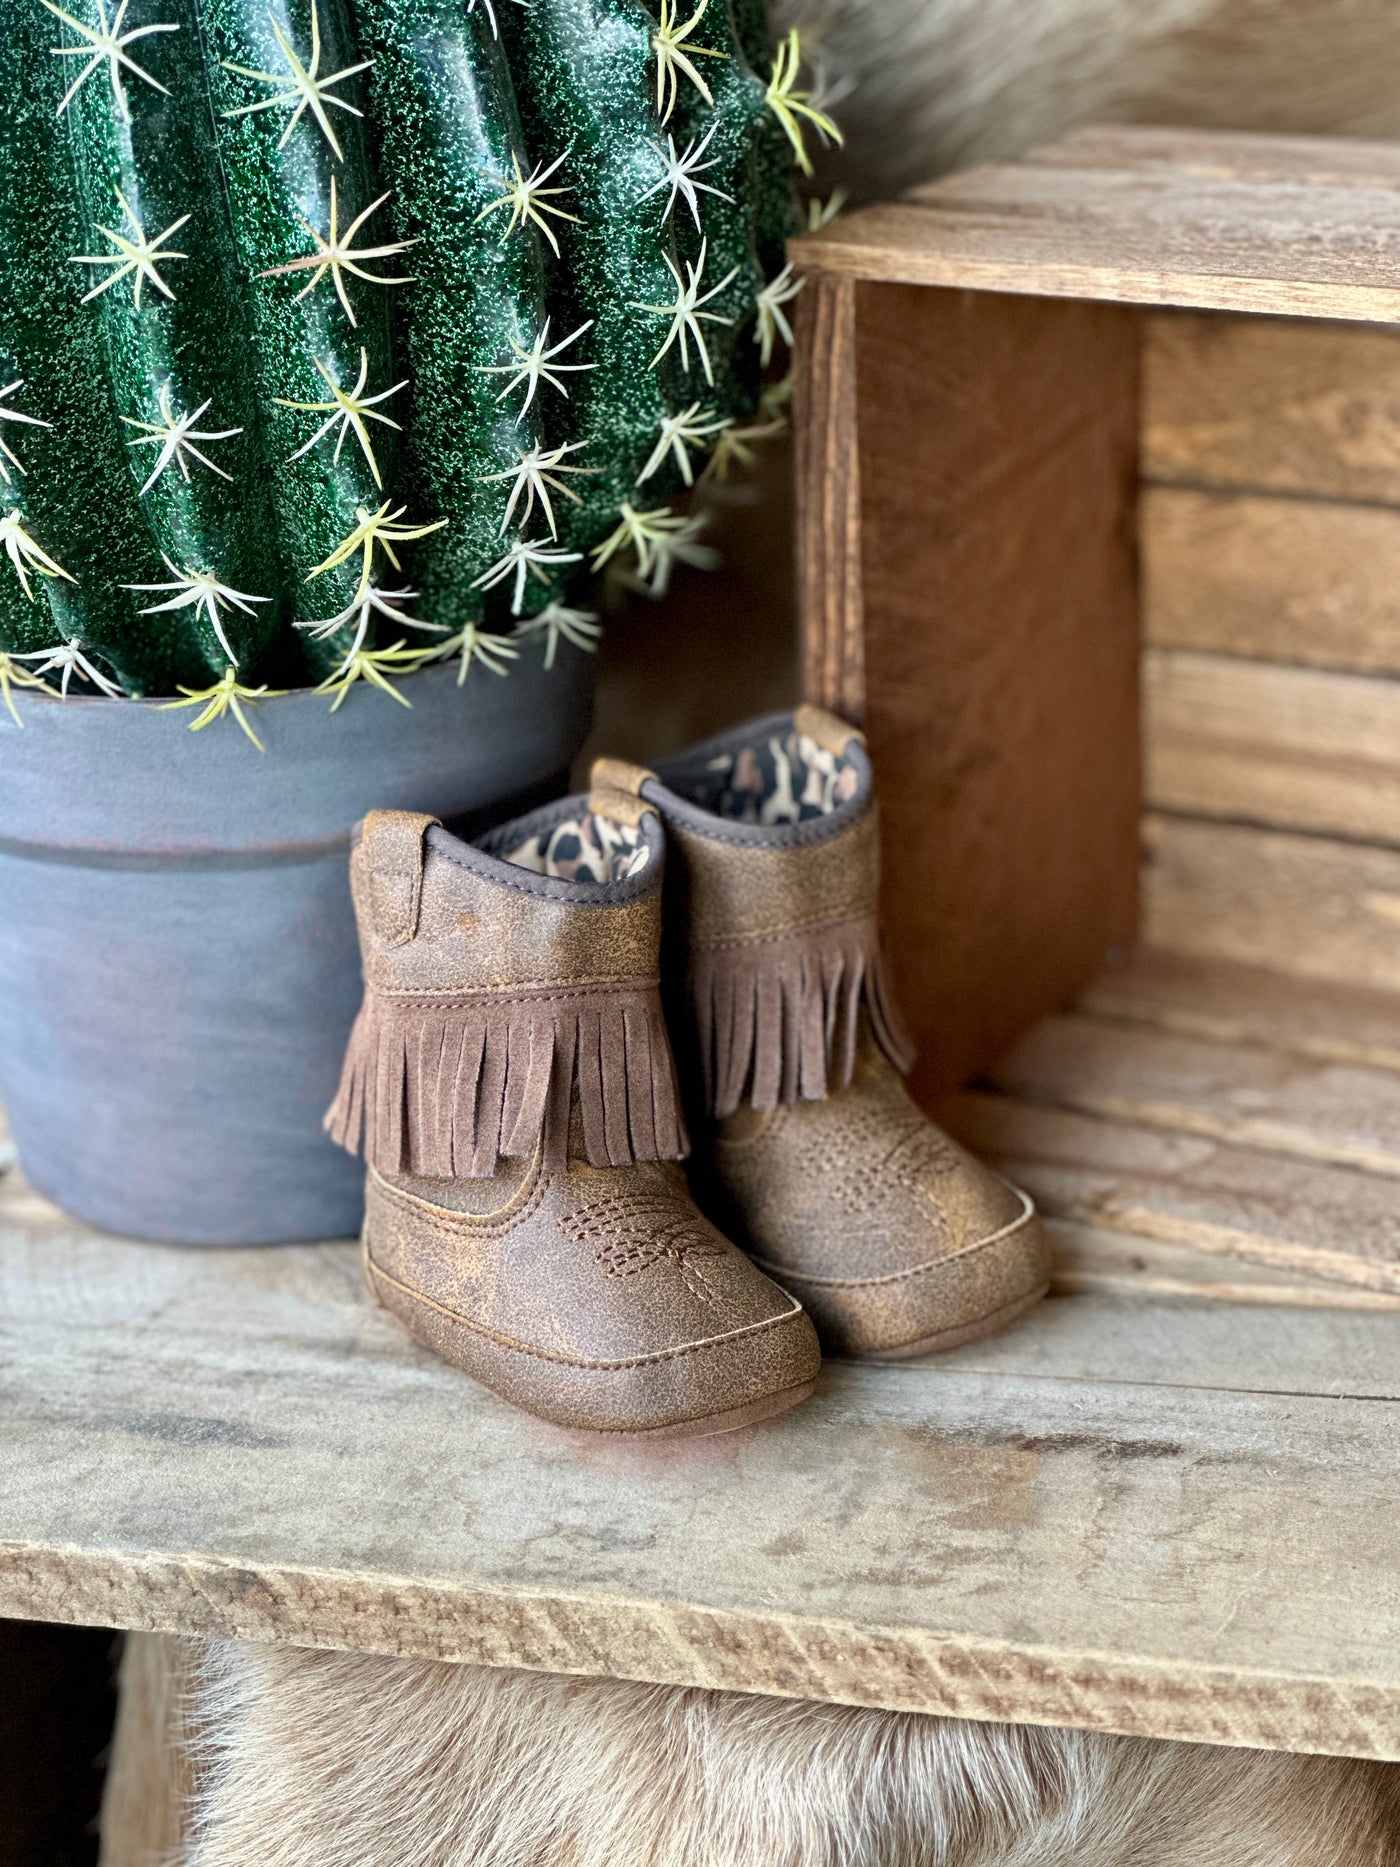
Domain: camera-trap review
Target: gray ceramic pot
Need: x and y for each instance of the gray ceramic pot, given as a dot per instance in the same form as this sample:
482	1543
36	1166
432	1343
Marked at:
178	963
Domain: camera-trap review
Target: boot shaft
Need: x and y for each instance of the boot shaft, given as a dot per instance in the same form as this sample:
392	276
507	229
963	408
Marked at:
773	907
510	986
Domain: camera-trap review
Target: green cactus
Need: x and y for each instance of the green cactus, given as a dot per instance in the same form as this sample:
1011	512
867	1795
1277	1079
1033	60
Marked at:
340	334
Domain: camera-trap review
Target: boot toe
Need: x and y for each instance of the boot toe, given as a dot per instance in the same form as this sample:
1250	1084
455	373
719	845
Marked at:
702	1387
936	1301
690	1388
603	1303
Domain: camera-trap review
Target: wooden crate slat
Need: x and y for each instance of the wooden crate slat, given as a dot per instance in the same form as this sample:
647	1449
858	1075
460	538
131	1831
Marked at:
1293	748
1301	581
1255	404
1241	1093
1189	1189
1199	1339
1249	1005
827	473
232	1443
1089	1259
999	607
1232	155
1278	248
1308	905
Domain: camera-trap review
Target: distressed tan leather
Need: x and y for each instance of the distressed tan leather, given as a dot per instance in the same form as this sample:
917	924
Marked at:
490	988
616	787
895	1240
512	1082
599	1299
810	1152
738	891
482	928
831	732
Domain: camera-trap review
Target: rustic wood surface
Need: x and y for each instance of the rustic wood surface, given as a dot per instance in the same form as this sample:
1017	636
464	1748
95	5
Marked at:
1188	1189
997	492
968	584
1239	1004
1089	1257
1247	1094
1117	217
1291	903
1271	405
1226	155
1164	1503
827	474
1292	748
1310	582
1230	1129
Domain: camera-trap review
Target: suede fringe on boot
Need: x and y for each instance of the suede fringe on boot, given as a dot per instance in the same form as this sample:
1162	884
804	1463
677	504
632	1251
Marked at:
445	1086
777	1018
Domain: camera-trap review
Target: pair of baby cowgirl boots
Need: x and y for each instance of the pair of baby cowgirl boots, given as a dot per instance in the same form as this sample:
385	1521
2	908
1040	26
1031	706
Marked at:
512	1084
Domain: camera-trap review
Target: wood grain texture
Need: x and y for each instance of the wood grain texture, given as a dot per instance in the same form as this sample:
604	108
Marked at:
1235	1004
1113	1516
827	468
1086	1257
1260	404
1301	581
1190	1189
1190	222
1294	748
1285	902
1001	651
1245	1094
1223	155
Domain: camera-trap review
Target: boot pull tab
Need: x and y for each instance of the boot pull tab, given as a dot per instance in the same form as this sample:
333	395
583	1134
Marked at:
391	850
615	790
831	734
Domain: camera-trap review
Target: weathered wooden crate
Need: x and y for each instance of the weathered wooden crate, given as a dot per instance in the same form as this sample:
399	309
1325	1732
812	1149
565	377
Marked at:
1099	517
1166	1501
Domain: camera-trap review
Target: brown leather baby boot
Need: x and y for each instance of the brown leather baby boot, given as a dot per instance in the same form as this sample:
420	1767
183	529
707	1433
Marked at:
511	1085
813	1156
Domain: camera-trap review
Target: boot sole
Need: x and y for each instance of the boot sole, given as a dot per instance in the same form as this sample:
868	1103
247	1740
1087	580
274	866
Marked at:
713	1423
955	1338
709	1424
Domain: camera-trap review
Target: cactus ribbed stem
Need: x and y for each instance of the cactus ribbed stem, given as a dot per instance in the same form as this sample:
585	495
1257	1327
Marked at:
304	285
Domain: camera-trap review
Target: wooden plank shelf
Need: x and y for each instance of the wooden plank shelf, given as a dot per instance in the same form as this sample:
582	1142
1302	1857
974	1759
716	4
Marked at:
1166	1503
1273	225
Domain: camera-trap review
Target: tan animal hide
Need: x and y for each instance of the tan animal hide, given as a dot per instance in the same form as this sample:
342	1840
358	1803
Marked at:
346	1760
150	1785
941	83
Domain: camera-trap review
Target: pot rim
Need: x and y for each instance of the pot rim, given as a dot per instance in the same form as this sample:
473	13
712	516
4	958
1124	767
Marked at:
89	777
156	702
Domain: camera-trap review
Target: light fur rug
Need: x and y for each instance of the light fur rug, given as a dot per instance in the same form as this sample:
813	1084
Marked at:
940	83
150	1789
345	1760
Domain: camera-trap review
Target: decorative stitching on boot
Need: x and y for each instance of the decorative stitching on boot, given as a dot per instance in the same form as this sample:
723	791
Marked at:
632	1234
526	988
909	1149
523	1203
